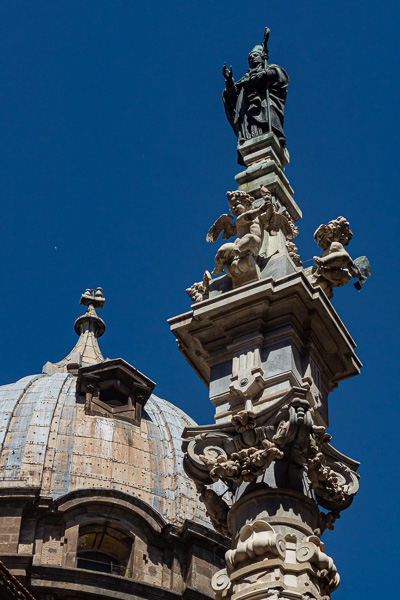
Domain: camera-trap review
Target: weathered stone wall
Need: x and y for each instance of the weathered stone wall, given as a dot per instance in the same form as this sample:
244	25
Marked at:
40	541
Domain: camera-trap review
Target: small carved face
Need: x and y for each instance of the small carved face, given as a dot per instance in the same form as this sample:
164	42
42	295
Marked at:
238	203
254	59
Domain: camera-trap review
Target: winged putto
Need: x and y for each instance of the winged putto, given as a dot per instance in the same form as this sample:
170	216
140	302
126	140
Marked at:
335	267
249	225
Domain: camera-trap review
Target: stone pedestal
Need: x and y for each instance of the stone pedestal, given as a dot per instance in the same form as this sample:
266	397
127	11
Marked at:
270	353
261	340
265	160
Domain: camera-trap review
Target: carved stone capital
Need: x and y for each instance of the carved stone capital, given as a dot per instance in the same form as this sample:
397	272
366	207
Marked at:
291	435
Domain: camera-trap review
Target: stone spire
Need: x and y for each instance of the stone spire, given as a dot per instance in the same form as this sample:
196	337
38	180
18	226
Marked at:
270	347
89	327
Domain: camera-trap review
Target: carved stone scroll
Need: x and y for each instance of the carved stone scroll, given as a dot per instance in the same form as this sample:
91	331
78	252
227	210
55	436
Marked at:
255	541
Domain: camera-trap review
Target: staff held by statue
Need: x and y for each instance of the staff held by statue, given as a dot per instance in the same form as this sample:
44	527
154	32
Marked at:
265	55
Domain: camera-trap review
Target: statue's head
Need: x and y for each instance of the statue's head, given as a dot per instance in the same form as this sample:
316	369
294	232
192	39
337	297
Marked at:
239	202
337	230
256	56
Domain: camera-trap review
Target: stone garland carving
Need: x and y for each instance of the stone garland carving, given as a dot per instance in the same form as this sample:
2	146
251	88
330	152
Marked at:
292	435
245	465
335	267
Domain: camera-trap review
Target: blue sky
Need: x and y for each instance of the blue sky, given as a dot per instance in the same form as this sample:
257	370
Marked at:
115	156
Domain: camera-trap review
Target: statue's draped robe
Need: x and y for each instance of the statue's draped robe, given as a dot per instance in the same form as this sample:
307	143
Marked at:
246	102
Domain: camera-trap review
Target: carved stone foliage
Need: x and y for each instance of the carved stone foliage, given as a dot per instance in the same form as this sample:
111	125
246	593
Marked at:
244	465
244	420
335	267
290	435
199	290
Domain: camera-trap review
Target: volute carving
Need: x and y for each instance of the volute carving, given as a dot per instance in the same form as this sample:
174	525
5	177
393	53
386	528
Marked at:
221	584
312	550
292	435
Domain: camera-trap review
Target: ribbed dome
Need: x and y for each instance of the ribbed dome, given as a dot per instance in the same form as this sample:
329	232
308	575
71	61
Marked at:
48	442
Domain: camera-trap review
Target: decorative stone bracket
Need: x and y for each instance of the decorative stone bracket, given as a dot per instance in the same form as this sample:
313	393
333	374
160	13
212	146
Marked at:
291	435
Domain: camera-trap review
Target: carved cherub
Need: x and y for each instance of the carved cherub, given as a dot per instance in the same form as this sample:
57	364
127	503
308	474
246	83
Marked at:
249	225
335	267
199	290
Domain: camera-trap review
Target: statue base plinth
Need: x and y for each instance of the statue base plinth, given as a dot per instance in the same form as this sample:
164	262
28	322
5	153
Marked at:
261	147
265	159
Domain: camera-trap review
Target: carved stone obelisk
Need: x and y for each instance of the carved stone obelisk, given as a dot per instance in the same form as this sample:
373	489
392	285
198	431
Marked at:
270	347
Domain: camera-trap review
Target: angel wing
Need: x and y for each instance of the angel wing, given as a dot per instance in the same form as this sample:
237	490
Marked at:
277	222
223	223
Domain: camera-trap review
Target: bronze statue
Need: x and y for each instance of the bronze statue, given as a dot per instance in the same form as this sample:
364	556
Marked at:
255	104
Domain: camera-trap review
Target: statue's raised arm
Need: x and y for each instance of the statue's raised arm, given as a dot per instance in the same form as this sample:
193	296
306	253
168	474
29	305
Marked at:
228	75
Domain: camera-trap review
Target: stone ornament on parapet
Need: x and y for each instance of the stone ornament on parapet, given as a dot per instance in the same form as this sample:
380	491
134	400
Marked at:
200	290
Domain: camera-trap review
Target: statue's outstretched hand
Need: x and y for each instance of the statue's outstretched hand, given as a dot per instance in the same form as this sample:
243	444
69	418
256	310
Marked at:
227	73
